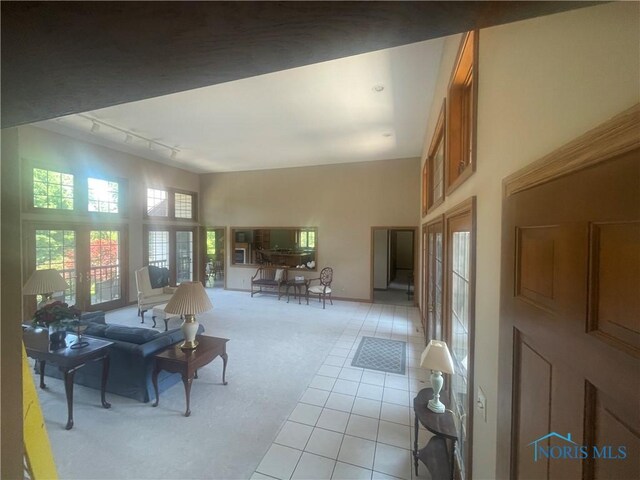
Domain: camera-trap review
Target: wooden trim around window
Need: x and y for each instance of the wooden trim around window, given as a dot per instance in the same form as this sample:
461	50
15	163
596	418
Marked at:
425	186
462	113
451	217
438	139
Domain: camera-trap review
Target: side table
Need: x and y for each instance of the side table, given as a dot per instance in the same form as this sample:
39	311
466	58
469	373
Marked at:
187	363
438	454
68	360
297	288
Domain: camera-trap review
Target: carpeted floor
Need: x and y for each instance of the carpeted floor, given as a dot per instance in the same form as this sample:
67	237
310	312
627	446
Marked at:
274	352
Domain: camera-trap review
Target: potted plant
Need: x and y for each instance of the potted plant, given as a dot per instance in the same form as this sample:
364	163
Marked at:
54	316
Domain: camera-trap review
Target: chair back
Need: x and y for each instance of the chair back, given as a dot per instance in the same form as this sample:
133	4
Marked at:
142	280
326	276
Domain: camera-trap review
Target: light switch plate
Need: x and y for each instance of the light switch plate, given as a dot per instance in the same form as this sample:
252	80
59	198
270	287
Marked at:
481	404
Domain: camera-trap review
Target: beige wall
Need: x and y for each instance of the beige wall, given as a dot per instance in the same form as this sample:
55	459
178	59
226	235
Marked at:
343	201
542	82
47	148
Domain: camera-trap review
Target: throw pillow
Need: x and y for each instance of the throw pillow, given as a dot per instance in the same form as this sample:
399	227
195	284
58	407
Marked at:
279	274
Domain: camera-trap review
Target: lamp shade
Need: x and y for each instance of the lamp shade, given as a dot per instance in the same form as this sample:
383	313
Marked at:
189	299
45	281
437	357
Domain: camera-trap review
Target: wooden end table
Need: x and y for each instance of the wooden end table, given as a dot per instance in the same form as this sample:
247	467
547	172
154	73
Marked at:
187	362
68	360
297	288
437	455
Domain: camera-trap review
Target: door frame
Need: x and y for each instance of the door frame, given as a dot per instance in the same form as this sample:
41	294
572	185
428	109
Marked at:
606	141
416	278
203	250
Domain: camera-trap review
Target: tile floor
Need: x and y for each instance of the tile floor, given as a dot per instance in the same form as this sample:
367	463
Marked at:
354	423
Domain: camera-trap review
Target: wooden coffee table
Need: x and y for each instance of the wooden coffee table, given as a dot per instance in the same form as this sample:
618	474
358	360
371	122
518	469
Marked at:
187	362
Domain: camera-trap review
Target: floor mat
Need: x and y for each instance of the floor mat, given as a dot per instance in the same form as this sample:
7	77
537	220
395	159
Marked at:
381	354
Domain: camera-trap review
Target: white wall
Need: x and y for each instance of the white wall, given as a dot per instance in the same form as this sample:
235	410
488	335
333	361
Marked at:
542	82
380	257
344	201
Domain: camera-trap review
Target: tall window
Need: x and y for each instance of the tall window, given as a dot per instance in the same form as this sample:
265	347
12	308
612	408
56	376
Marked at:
57	249
157	203
68	192
184	207
435	161
159	248
461	115
169	203
103	195
53	189
172	247
460	302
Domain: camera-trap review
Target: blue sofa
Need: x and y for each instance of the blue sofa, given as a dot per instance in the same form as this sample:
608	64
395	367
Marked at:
131	359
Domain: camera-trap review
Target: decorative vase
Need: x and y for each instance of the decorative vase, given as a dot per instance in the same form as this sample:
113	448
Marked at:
57	335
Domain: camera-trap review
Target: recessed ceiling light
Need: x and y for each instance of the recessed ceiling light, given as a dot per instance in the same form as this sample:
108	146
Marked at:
378	88
386	134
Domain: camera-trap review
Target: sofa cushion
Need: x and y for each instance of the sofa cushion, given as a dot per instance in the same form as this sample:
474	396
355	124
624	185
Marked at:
96	329
129	334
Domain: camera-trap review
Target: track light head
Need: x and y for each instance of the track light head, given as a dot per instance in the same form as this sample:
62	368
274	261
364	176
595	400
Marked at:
128	138
174	154
95	127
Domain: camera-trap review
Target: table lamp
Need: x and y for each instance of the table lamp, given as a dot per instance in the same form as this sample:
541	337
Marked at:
190	298
45	283
437	358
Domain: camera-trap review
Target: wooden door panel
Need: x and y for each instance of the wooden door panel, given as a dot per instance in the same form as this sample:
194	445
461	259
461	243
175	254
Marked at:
612	423
570	276
532	412
614	280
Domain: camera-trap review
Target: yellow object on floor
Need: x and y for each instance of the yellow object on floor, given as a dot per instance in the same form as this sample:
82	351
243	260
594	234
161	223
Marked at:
37	449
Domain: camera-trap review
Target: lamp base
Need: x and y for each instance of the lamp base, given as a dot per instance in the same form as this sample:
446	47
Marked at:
435	406
189	345
189	330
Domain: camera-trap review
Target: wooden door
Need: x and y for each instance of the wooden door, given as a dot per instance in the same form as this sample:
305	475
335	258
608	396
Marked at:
570	325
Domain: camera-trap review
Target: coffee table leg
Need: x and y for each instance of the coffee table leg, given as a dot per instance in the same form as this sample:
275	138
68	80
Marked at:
187	391
68	388
154	379
42	363
103	386
224	367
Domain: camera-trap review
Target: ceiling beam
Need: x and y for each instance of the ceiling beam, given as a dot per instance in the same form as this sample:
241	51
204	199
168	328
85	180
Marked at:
60	58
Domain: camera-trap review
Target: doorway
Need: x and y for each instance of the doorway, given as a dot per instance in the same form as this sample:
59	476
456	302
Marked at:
214	257
393	265
91	259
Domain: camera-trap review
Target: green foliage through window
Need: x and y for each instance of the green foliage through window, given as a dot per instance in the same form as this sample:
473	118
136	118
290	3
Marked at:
52	189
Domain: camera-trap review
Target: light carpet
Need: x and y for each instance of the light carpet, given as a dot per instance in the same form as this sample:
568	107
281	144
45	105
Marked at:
274	350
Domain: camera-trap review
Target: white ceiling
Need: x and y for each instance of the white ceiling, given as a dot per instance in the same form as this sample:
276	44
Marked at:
317	114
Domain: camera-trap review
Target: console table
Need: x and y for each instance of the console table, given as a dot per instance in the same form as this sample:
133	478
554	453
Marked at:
438	454
68	360
187	363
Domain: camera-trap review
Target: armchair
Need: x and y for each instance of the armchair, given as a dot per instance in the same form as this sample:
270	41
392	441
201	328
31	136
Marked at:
324	289
148	296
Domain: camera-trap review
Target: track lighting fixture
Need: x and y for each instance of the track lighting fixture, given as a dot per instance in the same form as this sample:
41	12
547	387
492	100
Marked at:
130	137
